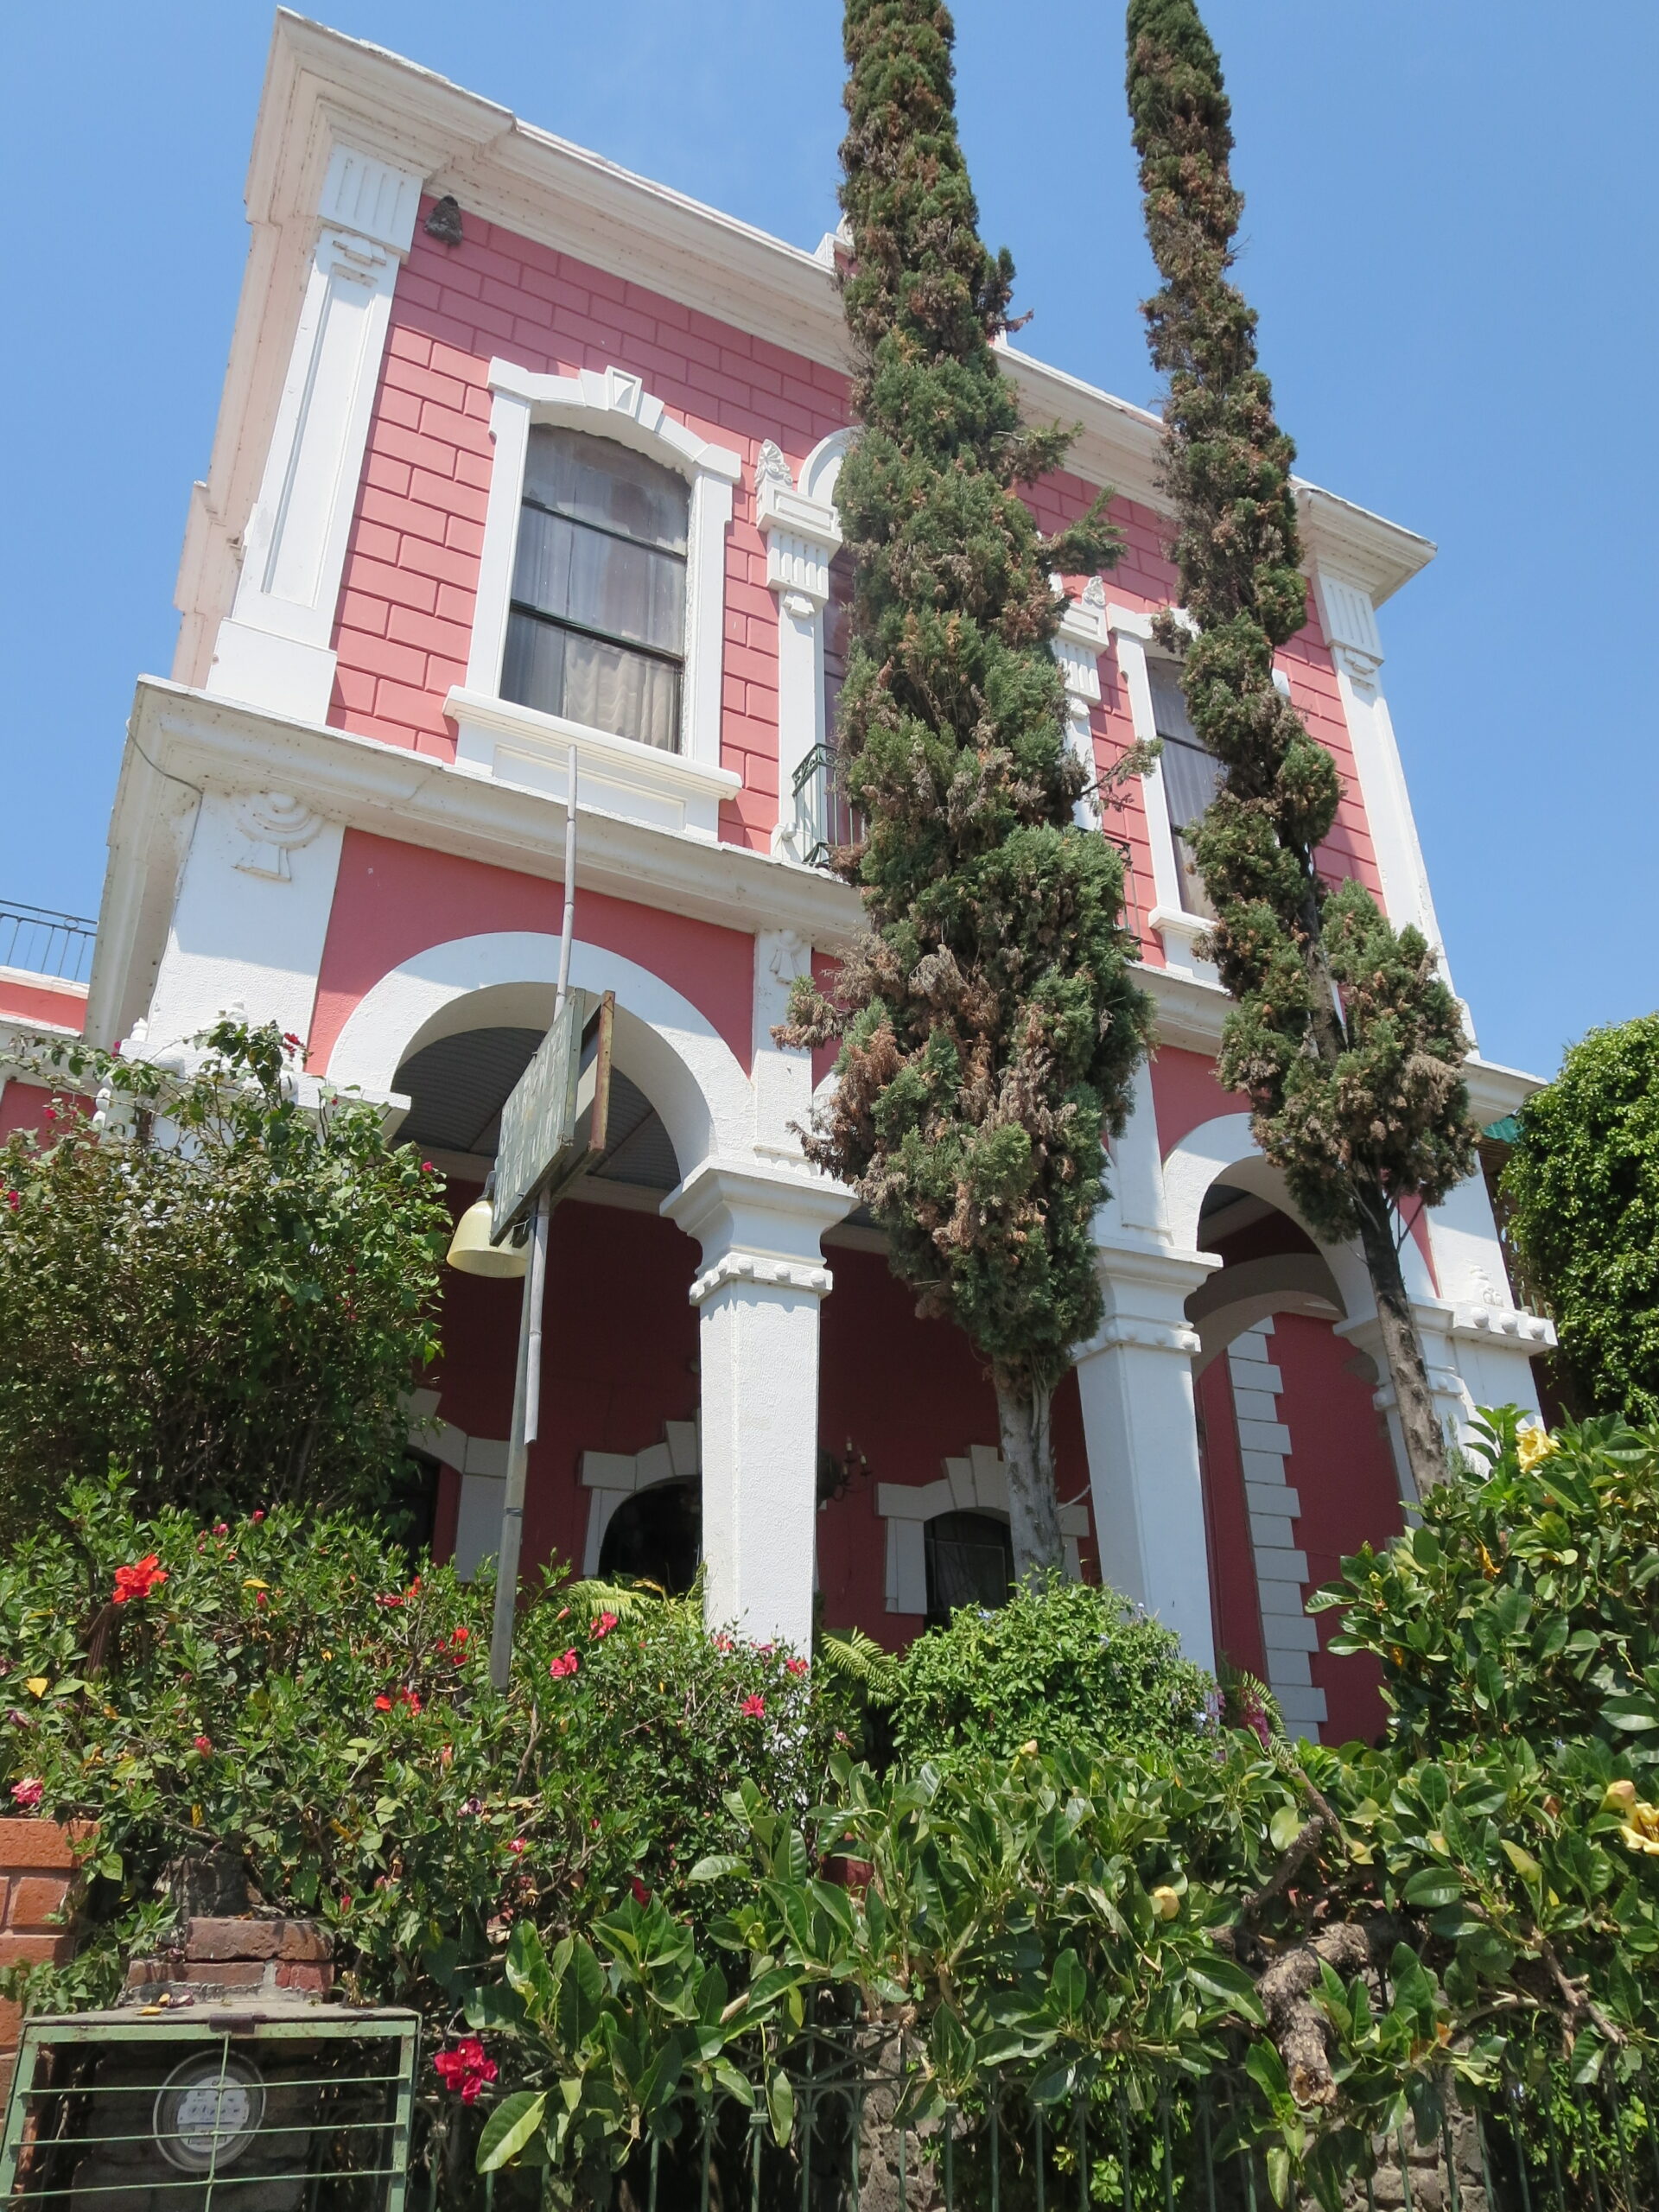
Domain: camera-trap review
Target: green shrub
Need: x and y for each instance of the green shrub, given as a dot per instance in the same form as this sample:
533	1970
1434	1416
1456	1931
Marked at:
288	1688
225	1291
1583	1182
1061	1664
1526	1607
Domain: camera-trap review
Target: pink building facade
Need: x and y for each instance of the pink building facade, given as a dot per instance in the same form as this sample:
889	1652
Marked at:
518	451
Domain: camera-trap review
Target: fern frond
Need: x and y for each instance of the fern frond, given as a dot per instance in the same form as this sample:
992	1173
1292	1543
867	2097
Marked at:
858	1658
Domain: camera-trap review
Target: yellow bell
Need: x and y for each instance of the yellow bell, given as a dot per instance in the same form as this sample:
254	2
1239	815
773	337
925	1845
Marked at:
472	1253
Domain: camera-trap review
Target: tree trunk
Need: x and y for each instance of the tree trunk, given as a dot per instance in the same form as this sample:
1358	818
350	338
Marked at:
1022	1414
1401	1347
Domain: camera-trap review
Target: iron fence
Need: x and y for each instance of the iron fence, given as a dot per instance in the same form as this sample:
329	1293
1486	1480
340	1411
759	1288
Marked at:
854	2139
825	819
45	943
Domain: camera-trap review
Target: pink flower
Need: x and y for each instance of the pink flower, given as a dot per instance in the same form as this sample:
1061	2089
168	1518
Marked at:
427	1168
203	1744
794	1666
602	1626
138	1581
465	2069
29	1792
256	1515
753	1706
566	1663
722	1643
517	1847
51	1113
13	1200
221	1528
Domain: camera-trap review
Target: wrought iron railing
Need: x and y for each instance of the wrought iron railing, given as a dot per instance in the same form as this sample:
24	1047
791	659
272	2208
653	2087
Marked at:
861	2128
825	818
46	943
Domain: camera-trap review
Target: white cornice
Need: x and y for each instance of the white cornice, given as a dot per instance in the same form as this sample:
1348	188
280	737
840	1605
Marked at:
322	89
182	741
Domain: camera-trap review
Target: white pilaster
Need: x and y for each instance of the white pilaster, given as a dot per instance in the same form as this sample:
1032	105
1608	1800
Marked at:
249	917
782	1077
1494	1341
1350	619
758	1296
1130	632
273	649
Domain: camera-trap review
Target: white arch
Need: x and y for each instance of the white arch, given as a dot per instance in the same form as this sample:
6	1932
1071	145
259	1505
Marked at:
673	1051
822	465
1224	1147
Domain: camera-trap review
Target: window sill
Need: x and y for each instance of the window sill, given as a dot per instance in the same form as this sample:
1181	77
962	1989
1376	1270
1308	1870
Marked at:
519	745
1178	932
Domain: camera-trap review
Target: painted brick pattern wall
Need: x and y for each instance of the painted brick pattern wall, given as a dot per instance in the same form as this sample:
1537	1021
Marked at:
37	1864
411	572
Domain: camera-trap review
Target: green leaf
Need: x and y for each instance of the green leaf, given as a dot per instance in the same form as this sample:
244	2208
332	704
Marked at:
1229	1983
716	1866
509	2128
1433	1886
1284	1827
780	2107
1523	1861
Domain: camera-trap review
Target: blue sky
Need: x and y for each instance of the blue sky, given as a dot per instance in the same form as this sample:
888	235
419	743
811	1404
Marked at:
1450	236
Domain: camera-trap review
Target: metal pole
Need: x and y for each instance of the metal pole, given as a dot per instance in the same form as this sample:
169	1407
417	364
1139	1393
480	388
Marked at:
527	1385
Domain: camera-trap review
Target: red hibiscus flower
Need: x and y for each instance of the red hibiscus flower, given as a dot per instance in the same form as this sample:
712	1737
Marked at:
465	2069
722	1643
566	1663
383	1703
794	1666
203	1744
641	1894
139	1581
753	1706
29	1792
602	1626
517	1847
256	1515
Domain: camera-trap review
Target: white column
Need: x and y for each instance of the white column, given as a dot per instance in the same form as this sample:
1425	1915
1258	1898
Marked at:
272	650
802	536
249	917
1134	1378
758	1296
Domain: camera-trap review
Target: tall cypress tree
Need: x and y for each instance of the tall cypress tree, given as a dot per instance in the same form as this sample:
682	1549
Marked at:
989	1019
1343	1036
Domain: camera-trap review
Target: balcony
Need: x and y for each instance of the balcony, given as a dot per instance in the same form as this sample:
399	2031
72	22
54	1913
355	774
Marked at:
37	941
825	818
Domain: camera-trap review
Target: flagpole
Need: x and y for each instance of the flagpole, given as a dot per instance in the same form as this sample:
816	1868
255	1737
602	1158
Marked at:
527	1380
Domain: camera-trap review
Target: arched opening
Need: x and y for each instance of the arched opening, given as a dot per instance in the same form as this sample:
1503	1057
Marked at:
970	1562
1297	1466
656	1536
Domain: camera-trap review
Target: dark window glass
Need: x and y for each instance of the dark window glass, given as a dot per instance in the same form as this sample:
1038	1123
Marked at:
1191	778
655	1536
597	627
970	1562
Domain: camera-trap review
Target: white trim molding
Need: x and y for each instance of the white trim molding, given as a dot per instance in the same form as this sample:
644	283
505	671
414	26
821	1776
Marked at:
975	1482
481	1463
273	649
613	1478
803	535
674	791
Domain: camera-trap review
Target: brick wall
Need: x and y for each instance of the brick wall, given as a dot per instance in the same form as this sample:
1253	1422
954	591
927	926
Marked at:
37	1866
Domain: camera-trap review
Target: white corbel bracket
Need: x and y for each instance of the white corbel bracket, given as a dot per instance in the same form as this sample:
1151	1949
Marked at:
274	825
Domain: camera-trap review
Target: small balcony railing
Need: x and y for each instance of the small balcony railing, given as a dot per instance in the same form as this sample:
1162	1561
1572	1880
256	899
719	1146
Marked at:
43	943
825	818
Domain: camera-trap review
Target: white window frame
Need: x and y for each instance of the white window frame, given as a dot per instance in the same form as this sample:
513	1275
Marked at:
498	737
1131	634
977	1482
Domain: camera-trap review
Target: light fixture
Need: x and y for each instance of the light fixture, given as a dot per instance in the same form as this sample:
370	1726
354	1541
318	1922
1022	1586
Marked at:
471	1252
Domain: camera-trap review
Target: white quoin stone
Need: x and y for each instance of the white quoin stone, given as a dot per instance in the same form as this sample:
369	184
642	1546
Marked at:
758	1296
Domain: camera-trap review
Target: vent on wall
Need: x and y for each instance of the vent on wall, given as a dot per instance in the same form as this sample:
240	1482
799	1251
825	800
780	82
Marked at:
285	2111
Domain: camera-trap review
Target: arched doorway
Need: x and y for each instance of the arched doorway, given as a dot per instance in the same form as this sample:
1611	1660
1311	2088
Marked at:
970	1562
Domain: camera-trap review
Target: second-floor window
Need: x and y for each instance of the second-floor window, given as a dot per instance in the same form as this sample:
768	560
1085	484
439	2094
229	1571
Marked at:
1191	778
596	632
